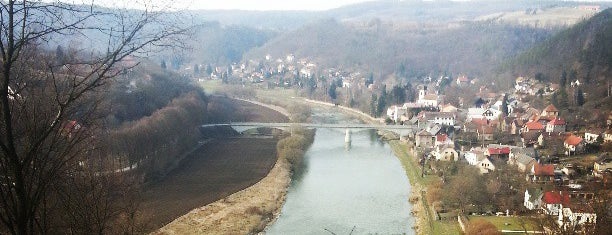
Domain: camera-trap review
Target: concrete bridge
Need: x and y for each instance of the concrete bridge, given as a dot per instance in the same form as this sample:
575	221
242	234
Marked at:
401	130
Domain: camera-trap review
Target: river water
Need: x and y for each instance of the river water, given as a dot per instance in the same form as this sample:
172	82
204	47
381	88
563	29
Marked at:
361	188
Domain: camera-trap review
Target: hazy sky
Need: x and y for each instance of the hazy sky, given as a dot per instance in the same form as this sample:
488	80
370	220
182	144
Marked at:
314	5
234	4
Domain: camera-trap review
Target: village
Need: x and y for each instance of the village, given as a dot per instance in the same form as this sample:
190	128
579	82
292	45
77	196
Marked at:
558	168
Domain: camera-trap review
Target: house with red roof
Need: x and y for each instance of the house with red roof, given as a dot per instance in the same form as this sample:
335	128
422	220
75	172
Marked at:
573	144
498	152
533	126
550	111
462	80
553	201
443	139
70	128
556	125
541	173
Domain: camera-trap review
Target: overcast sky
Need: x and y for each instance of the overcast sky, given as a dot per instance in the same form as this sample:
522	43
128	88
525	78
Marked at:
313	5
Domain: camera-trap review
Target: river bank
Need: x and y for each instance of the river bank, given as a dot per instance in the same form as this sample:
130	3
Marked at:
249	210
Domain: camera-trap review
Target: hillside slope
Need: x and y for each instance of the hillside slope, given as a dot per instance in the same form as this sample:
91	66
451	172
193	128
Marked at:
381	47
583	52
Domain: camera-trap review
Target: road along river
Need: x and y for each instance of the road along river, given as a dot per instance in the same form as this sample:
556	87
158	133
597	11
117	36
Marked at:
359	188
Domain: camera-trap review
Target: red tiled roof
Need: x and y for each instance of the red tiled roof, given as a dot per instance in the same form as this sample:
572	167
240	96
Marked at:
551	108
557	122
554	197
544	170
498	151
441	138
573	140
534	126
463	79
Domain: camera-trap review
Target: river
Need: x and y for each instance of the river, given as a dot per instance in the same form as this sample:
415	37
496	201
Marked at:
340	189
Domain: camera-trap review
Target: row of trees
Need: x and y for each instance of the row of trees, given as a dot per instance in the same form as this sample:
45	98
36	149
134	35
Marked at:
155	142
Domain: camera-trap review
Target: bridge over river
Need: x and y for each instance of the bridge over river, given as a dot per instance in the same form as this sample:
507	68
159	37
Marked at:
401	130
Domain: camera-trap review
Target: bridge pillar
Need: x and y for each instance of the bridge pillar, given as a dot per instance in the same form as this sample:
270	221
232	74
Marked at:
347	137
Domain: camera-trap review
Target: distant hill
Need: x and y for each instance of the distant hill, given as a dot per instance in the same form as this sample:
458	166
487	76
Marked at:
381	47
583	52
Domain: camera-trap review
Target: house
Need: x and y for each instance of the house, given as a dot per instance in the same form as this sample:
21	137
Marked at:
485	133
591	136
523	158
574	215
441	118
553	201
533	126
397	113
541	173
556	125
448	108
479	113
443	139
533	198
608	136
497	152
531	138
445	153
573	144
602	164
474	156
424	139
485	165
550	111
462	80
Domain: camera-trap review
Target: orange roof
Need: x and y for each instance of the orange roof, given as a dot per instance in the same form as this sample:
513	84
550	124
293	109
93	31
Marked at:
573	140
441	138
544	170
551	108
534	125
557	122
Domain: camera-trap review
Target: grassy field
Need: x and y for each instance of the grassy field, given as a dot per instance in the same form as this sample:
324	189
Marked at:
507	222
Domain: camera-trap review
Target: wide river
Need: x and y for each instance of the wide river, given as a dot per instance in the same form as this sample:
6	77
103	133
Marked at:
361	189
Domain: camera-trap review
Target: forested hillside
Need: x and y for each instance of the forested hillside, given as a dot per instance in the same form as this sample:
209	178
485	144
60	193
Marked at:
582	52
382	47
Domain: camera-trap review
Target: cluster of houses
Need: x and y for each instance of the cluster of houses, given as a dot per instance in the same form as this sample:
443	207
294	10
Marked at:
556	192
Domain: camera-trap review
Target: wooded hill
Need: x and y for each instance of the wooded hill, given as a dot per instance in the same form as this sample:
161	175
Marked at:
582	52
472	48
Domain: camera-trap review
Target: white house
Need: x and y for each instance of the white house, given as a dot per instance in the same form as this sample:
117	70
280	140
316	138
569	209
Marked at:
396	113
474	156
533	198
591	136
553	201
576	215
441	118
557	125
445	153
479	113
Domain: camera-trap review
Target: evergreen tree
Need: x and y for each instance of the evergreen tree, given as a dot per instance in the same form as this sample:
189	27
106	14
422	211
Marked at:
563	80
196	69
504	106
332	91
373	102
579	97
163	64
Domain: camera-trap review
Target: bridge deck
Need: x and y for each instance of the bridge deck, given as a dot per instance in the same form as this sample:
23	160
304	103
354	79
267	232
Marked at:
314	125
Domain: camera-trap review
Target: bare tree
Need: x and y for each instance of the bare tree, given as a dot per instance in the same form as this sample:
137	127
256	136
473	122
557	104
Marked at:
48	108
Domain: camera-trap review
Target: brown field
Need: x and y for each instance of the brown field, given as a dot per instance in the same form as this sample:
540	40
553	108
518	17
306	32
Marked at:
215	171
